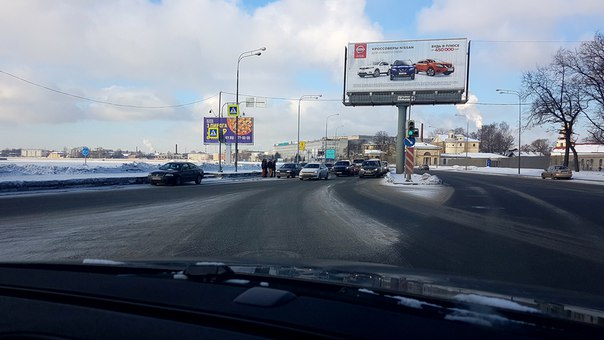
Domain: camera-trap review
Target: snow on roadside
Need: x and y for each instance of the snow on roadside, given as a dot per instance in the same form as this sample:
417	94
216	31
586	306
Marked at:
43	169
423	186
424	179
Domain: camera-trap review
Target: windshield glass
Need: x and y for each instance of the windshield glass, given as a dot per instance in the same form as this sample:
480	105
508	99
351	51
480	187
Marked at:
102	102
171	166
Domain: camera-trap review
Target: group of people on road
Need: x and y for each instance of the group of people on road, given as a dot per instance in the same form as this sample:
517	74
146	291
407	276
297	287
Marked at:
269	167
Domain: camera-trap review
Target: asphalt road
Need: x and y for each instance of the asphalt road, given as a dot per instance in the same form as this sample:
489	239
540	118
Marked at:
531	231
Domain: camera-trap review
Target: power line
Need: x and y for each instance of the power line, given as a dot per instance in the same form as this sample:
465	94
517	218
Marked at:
102	101
189	103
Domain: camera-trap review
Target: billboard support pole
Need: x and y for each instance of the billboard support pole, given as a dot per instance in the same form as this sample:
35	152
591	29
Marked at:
400	137
219	132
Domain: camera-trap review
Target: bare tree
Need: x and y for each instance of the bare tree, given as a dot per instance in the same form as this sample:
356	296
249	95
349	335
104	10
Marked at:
541	145
588	64
557	98
494	138
382	140
443	131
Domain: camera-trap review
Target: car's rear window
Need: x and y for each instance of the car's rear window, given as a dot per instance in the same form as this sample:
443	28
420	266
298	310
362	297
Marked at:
342	163
370	163
312	166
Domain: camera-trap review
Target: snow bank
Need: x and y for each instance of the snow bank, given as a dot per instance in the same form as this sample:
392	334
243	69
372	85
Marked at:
424	179
42	169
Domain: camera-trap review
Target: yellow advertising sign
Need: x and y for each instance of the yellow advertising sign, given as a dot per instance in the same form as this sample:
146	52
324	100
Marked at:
302	145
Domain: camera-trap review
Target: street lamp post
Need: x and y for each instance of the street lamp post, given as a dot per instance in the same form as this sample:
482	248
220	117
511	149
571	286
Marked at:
325	143
313	96
517	93
245	54
467	137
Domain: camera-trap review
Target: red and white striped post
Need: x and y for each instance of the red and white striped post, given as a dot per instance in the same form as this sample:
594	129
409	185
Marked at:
409	163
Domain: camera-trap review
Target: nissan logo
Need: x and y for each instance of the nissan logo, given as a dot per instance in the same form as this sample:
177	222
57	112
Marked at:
360	49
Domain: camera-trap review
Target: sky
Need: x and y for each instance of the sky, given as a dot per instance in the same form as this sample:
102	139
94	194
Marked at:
139	74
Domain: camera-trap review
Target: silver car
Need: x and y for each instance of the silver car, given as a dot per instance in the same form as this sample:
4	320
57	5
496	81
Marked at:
557	172
314	170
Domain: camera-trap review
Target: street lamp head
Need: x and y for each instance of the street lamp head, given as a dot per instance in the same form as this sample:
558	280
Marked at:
263	49
259	53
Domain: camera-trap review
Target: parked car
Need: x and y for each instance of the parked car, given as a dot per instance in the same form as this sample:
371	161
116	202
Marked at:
176	173
374	70
329	166
289	170
402	69
557	172
314	170
424	167
432	67
371	167
344	168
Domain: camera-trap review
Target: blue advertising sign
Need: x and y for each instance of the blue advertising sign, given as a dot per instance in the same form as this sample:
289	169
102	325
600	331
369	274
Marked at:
213	127
330	154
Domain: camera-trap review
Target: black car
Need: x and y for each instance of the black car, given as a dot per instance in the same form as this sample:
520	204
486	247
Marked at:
289	170
176	173
371	167
329	166
344	168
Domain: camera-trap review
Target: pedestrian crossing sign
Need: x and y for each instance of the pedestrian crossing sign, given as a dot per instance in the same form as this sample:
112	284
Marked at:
233	110
213	133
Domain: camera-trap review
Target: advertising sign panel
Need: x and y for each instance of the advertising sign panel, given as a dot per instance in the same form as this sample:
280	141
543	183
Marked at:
406	72
214	127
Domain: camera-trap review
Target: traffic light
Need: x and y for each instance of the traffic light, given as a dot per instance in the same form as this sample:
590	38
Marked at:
412	131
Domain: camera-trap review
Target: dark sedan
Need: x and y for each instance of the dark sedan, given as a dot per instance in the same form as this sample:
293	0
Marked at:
344	168
176	173
289	170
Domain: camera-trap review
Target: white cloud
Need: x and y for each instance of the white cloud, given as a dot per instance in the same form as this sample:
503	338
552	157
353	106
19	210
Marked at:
156	54
142	53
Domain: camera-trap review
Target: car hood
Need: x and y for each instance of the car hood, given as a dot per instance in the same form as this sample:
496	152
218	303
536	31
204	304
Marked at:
411	287
309	169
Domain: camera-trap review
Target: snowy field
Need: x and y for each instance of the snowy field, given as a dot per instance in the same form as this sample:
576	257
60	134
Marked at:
44	169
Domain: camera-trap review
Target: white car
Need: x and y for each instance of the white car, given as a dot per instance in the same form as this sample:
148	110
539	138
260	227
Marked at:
374	70
314	170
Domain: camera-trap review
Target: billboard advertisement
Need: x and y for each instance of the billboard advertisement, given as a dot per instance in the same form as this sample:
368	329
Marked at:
412	71
214	127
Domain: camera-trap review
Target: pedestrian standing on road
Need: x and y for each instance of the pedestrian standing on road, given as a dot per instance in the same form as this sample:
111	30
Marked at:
263	166
274	168
269	166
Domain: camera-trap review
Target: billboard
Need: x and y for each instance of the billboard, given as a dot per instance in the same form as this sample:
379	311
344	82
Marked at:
406	72
214	127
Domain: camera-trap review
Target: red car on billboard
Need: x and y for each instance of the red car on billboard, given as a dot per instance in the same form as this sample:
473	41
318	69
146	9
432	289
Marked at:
432	67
